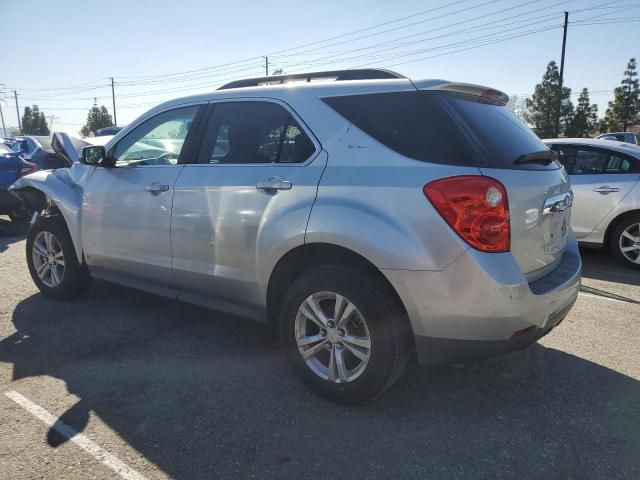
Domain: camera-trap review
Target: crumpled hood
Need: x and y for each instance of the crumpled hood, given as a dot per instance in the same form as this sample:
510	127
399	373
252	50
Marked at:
70	147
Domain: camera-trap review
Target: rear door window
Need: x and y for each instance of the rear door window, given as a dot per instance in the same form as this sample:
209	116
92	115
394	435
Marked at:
253	132
443	127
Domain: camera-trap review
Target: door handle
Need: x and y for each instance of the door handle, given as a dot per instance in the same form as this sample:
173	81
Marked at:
605	189
274	184
156	187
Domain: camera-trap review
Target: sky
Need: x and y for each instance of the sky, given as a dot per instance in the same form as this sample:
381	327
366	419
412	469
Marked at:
61	58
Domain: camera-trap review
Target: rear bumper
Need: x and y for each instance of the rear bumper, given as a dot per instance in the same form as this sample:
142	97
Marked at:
8	203
482	305
443	351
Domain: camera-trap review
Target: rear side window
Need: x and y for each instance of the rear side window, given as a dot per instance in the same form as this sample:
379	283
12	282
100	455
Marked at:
406	122
622	164
443	127
253	132
579	160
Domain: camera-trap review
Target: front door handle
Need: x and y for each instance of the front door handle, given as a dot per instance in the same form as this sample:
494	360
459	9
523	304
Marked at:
274	184
156	187
605	189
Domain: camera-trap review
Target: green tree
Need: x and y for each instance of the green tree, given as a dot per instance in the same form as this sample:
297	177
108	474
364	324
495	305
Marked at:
518	105
97	118
27	121
584	118
542	107
34	121
623	110
278	71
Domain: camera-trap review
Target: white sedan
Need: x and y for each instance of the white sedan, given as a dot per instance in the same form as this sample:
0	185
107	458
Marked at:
605	178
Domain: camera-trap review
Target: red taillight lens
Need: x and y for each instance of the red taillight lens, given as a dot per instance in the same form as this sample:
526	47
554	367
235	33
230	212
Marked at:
476	207
27	168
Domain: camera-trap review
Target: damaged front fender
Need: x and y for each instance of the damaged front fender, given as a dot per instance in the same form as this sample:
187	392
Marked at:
63	189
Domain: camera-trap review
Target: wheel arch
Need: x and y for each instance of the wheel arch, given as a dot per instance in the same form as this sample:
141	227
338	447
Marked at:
614	224
52	191
300	259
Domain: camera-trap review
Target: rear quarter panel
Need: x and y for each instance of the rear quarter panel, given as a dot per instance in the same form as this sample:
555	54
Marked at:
370	200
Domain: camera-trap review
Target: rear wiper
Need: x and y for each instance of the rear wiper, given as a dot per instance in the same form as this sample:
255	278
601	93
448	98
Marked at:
543	157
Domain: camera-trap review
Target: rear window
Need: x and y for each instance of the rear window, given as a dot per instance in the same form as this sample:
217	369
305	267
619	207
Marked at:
443	127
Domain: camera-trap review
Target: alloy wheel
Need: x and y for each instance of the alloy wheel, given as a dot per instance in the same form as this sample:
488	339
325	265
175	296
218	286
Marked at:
48	259
629	243
332	337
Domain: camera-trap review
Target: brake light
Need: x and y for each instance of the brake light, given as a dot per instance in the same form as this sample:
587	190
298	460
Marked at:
27	168
476	207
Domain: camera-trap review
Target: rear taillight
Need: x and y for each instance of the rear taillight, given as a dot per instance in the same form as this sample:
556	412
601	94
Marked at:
476	207
27	168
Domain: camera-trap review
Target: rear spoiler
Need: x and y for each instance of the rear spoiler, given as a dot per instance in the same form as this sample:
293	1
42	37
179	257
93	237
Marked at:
465	88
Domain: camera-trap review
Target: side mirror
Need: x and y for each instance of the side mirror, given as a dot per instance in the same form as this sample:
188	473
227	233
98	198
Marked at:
95	155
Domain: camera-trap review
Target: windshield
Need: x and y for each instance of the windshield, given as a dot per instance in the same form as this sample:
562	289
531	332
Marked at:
5	149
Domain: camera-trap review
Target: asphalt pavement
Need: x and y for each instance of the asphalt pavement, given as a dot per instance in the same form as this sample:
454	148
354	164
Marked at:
123	384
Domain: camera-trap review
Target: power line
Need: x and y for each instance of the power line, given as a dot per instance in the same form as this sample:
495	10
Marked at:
475	46
479	39
478	28
316	61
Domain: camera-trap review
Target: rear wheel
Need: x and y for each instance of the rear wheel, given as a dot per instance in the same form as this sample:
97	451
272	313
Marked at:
52	260
625	241
344	332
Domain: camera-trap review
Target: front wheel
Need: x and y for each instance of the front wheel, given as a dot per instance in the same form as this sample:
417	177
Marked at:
345	333
625	241
52	260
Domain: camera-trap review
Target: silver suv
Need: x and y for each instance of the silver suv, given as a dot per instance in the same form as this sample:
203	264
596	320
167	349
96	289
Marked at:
362	214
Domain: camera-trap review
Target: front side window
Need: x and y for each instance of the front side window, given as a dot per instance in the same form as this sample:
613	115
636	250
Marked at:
157	141
253	132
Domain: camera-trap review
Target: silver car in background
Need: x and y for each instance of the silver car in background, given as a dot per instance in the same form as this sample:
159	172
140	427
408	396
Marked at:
362	214
605	178
628	137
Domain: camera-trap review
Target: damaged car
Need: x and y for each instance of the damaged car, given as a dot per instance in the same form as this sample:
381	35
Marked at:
362	215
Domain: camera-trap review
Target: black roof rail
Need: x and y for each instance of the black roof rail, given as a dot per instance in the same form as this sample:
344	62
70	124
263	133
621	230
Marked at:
336	75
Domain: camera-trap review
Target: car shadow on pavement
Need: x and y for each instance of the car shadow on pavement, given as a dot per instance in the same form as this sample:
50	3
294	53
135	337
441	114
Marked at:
601	264
206	395
11	232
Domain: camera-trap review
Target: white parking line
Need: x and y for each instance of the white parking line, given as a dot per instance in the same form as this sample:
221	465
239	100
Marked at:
600	297
88	445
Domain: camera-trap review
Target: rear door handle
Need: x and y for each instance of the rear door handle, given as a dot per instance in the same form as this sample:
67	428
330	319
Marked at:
156	187
274	184
603	190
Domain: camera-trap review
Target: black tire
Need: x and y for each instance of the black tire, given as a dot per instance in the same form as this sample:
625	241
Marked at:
386	321
633	221
75	277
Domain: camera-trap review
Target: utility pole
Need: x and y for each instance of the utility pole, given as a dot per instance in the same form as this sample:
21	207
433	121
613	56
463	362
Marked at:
626	103
15	95
266	66
564	46
51	119
113	97
4	129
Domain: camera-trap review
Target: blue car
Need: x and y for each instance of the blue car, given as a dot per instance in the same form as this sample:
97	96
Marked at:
12	167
